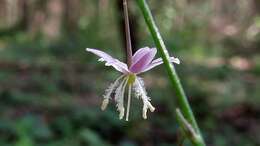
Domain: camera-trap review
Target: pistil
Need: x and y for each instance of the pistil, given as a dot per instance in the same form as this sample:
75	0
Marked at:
128	102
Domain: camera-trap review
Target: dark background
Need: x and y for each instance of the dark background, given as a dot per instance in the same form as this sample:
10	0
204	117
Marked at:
51	88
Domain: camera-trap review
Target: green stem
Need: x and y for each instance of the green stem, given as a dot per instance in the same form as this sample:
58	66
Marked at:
174	79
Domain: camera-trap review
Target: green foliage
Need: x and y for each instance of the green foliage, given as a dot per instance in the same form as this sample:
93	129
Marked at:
51	90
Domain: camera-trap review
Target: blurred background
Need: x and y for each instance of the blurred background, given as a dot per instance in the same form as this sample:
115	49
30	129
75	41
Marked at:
51	88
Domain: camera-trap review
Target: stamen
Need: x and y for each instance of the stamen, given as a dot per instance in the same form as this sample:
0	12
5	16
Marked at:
104	104
145	111
140	92
109	91
129	101
119	97
151	108
121	113
112	87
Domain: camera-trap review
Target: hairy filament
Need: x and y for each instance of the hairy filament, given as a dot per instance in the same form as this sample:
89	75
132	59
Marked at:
109	91
140	92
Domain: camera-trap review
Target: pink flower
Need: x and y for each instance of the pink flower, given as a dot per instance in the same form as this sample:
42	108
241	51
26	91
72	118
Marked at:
142	61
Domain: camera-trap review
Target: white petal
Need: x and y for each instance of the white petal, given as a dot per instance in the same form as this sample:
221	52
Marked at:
159	61
110	61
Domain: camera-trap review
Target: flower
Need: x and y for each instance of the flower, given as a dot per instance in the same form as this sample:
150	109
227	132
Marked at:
142	61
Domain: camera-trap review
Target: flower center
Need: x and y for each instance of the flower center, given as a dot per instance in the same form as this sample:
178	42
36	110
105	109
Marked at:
131	79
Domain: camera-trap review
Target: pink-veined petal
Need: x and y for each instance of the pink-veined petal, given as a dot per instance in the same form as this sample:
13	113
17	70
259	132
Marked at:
142	62
159	61
110	61
139	54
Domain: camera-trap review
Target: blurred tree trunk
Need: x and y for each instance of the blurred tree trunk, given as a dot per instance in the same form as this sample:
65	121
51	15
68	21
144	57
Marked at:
24	18
72	14
53	20
3	12
257	6
11	9
181	20
14	14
